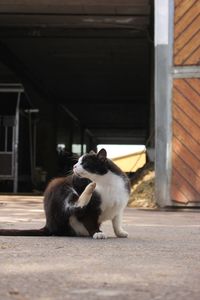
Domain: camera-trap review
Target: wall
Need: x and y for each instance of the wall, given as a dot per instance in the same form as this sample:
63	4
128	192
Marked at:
185	187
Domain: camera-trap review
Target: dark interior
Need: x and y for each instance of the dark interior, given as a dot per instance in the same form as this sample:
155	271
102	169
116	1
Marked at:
86	65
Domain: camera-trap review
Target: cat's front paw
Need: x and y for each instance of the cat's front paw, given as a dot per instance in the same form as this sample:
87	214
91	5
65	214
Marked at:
86	195
99	236
90	187
122	234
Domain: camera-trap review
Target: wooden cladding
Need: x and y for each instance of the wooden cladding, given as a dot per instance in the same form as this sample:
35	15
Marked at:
186	105
187	32
186	141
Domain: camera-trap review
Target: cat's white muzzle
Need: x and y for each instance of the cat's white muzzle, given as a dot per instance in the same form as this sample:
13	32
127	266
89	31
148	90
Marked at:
78	170
75	172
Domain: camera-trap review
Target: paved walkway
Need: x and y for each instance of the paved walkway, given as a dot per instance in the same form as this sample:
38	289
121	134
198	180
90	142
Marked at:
160	259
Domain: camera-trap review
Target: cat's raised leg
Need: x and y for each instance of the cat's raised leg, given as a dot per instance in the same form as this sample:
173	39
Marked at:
117	226
86	195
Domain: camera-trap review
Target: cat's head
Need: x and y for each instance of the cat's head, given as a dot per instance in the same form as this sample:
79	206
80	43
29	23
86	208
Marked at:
92	164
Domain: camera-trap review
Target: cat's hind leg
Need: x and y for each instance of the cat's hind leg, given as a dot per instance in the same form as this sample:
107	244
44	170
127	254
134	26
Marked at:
86	195
117	226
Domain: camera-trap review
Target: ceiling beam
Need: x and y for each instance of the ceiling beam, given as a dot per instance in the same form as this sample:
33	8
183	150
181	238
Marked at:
114	7
67	21
73	33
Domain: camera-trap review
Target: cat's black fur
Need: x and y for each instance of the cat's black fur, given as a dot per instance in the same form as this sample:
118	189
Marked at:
69	188
102	165
57	216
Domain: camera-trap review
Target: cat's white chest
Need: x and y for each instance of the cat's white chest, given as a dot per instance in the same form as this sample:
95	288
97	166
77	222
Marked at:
114	196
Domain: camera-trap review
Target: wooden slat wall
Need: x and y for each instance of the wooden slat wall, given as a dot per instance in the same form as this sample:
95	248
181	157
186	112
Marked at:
185	186
186	141
187	32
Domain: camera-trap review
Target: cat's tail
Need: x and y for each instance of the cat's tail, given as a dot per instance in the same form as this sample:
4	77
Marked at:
25	232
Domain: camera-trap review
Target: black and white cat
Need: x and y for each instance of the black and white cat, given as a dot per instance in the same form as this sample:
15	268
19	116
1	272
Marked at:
77	205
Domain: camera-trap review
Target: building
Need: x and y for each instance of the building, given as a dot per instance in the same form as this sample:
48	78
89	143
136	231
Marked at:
87	72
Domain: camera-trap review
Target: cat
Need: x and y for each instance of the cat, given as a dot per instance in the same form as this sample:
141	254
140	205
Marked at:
78	204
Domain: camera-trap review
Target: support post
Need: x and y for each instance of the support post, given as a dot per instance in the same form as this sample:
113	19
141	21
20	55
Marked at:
163	99
16	144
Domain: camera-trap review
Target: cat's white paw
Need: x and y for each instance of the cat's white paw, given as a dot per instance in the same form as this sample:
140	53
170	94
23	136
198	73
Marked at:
90	188
122	234
99	235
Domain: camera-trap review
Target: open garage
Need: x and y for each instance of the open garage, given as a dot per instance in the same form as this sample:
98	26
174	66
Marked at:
85	69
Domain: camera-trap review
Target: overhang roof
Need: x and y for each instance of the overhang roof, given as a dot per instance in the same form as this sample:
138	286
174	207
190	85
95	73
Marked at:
92	57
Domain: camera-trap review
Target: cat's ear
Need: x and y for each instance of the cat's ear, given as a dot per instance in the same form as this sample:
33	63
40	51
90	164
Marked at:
102	155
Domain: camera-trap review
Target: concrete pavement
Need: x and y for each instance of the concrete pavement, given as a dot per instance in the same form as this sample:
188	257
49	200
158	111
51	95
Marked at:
159	260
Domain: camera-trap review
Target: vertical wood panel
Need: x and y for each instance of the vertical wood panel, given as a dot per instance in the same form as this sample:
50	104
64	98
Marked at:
186	141
187	32
184	6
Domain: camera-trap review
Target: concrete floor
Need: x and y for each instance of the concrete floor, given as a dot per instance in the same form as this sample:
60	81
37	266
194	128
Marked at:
159	260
